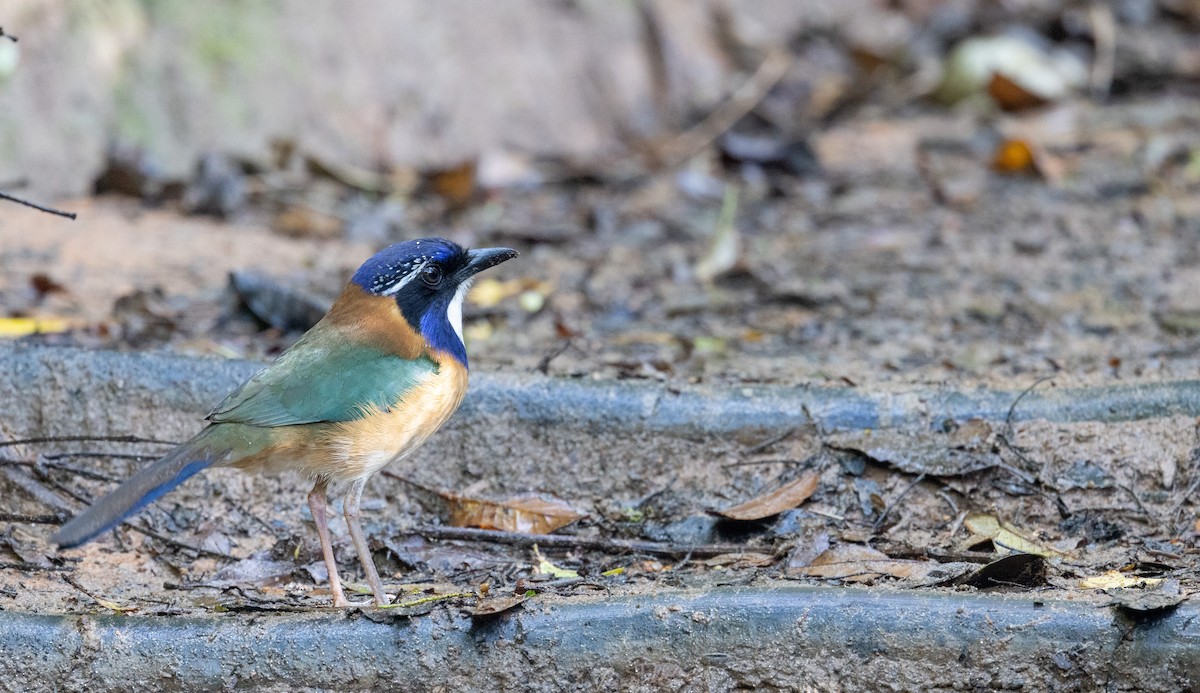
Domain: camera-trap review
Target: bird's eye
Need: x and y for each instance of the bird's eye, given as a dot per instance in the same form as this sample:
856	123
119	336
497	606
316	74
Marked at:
432	276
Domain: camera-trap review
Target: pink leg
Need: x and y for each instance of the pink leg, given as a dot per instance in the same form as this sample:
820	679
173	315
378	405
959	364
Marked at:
318	504
353	496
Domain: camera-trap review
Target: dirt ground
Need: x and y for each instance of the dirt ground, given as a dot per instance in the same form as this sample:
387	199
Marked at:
908	259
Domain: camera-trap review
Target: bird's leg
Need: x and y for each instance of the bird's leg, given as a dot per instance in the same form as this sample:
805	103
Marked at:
318	504
360	541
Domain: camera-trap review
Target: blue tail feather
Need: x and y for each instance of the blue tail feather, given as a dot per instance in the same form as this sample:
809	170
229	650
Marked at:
146	486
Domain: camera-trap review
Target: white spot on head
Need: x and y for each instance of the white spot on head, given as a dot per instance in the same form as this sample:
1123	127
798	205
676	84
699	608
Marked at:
454	312
404	281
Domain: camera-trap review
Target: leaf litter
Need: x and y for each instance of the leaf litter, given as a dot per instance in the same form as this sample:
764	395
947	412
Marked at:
813	272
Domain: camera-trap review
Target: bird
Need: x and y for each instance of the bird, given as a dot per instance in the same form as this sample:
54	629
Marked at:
381	371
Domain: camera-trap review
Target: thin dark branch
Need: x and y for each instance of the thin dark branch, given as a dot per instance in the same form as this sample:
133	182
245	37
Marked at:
34	567
78	439
769	442
1013	408
98	455
179	544
32	519
572	542
769	460
37	465
890	506
7	36
543	365
40	208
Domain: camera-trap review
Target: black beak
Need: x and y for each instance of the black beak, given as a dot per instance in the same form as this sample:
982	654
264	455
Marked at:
483	258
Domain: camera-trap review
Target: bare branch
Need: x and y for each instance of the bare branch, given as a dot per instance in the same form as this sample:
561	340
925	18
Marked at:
40	208
7	36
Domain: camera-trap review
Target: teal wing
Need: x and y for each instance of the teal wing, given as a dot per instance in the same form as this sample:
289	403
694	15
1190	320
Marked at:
322	380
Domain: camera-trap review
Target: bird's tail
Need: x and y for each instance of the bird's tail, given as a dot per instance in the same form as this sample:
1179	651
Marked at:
145	487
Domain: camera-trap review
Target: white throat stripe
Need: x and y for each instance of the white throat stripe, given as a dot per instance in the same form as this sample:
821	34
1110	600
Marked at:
454	313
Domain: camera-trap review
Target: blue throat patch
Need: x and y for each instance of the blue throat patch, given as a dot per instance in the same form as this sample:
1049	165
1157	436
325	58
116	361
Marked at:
436	329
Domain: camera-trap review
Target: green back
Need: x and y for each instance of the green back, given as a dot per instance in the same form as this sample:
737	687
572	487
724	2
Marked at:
322	378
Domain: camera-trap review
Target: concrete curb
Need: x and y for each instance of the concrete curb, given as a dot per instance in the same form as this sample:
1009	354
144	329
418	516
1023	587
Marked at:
777	637
790	638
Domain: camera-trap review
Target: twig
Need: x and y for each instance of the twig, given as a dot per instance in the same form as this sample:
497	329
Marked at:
32	519
77	439
957	525
36	489
745	99
179	544
106	603
40	208
949	501
883	515
573	542
825	513
1013	407
543	365
7	36
32	567
34	464
1179	506
1141	506
770	441
1104	42
98	455
768	460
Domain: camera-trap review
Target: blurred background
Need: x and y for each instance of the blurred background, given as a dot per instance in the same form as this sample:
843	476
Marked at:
846	193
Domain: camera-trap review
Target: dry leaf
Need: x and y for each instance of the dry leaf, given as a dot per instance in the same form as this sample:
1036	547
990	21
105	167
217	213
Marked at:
524	514
545	567
456	185
1004	536
1159	597
725	252
786	497
857	563
1116	579
1011	96
113	606
747	559
1014	156
935	454
21	327
305	222
497	605
1018	569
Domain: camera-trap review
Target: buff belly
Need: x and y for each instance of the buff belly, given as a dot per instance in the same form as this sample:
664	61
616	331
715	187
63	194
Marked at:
348	451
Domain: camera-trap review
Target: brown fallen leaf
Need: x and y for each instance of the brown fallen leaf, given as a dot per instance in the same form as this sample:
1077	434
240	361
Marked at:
1014	570
857	563
300	221
1014	156
1144	601
749	559
1010	95
1114	579
1003	535
525	514
786	497
934	454
455	184
497	605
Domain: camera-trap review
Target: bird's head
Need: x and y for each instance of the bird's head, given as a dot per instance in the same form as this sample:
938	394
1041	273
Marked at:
429	278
